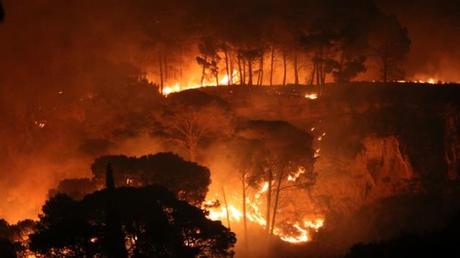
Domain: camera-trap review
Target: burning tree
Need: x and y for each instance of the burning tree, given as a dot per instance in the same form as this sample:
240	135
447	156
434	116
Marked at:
288	158
245	158
191	117
209	59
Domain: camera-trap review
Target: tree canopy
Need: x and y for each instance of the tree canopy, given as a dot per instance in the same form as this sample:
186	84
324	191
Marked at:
154	224
188	180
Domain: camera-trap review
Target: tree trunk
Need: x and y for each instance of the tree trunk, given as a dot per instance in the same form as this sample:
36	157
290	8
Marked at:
284	67
318	73
261	71
217	76
227	68
244	71
160	64
202	74
240	70
166	70
272	60
313	73
296	70
269	199
231	70
250	72
275	205
245	226
226	207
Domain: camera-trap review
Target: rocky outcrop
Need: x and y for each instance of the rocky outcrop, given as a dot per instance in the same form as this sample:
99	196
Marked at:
385	169
381	169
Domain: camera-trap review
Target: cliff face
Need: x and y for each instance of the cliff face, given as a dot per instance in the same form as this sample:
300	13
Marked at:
379	170
385	170
380	141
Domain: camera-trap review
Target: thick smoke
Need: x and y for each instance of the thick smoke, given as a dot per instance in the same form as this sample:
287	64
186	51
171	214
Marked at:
434	28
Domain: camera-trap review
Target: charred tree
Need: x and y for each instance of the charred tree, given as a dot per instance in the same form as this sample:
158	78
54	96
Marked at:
284	67
272	61
114	241
296	69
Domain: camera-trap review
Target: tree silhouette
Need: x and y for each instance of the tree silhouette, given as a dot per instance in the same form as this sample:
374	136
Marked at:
390	44
113	242
76	188
7	248
154	223
188	180
2	12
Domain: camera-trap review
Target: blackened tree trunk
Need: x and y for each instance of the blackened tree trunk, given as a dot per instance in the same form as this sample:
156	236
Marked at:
227	68
313	73
269	199
240	71
203	71
261	71
244	71
272	60
160	65
275	205
296	70
165	68
250	72
232	68
226	207
245	224
284	67
114	239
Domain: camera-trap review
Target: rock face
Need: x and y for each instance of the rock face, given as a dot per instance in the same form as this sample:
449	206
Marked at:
381	169
379	141
385	170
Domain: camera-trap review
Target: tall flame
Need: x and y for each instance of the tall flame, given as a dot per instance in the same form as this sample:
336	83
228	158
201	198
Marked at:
302	229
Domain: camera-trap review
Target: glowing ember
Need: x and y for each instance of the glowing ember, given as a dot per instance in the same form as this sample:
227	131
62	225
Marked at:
40	124
296	175
311	96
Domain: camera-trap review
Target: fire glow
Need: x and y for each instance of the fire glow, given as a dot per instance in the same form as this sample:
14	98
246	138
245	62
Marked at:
299	231
177	86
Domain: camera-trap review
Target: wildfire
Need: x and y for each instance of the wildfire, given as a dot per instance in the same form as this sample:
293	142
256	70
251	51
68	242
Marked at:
296	175
177	87
300	230
303	230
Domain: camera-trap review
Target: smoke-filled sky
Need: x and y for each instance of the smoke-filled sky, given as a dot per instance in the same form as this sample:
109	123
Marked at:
44	31
434	28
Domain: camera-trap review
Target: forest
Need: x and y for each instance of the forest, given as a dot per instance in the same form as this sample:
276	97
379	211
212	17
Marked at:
260	128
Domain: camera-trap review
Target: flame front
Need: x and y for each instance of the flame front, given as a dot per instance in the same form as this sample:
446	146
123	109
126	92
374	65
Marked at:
300	230
177	86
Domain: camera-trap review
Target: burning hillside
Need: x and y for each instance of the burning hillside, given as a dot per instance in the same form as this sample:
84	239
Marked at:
199	128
